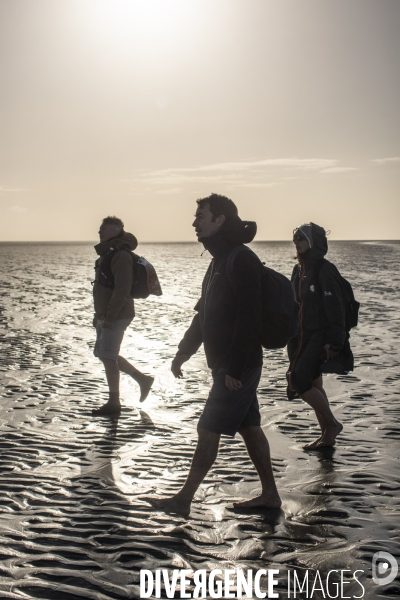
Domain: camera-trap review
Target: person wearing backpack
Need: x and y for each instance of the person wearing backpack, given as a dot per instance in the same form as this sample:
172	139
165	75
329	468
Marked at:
322	342
228	322
114	309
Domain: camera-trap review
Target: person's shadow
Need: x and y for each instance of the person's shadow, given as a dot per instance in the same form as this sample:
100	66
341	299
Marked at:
100	457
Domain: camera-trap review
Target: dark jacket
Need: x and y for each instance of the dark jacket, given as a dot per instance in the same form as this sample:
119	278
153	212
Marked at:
320	298
115	303
229	315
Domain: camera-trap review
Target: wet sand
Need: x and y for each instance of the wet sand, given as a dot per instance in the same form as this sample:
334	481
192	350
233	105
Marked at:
74	522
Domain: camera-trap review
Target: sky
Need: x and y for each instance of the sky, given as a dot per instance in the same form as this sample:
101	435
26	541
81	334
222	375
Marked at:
136	108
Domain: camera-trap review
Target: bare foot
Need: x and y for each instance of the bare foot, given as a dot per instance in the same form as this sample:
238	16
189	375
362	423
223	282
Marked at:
171	505
313	445
327	439
145	386
108	409
262	501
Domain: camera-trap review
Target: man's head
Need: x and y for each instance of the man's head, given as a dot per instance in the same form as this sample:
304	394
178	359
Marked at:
212	213
110	228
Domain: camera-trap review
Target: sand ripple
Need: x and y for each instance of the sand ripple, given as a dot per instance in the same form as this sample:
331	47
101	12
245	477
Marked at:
73	515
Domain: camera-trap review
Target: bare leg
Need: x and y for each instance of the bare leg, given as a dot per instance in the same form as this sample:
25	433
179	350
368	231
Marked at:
203	459
113	405
317	383
112	374
145	381
258	449
316	397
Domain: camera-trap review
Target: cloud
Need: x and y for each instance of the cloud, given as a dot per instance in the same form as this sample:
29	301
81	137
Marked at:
258	185
18	209
176	179
291	163
7	189
169	191
250	173
338	170
382	161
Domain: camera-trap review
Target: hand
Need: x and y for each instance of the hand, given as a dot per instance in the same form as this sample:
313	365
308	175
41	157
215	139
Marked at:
232	384
95	321
107	324
177	364
329	352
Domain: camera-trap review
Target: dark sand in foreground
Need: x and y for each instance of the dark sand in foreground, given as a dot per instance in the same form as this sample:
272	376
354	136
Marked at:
74	522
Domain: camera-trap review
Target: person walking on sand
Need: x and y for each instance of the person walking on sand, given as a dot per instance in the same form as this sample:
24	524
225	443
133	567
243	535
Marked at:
322	334
114	309
228	323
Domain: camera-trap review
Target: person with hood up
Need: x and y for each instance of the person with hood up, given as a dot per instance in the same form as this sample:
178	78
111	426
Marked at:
114	309
322	335
228	323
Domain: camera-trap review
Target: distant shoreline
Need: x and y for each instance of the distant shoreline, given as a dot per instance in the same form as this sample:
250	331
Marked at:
85	243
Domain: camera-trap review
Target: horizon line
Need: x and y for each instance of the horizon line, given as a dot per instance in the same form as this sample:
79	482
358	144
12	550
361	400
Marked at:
188	241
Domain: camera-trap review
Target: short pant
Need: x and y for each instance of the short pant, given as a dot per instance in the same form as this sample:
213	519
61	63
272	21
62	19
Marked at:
226	412
108	341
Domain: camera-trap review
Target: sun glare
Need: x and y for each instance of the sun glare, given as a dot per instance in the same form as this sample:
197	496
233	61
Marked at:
153	15
150	21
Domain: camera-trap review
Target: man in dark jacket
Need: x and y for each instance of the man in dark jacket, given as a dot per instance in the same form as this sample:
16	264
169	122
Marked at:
322	343
228	323
114	309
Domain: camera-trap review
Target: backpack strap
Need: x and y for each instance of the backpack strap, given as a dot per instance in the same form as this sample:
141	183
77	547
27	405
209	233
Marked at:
231	258
317	270
106	278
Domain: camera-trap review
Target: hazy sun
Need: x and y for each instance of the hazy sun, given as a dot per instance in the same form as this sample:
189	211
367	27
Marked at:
151	21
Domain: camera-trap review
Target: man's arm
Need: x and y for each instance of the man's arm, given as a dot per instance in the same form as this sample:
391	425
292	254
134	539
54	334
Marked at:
188	346
176	365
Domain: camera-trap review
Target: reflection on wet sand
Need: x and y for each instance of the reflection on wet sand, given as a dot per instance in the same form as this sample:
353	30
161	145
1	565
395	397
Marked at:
74	519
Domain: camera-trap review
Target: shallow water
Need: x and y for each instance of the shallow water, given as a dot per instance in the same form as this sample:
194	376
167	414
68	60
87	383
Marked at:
73	515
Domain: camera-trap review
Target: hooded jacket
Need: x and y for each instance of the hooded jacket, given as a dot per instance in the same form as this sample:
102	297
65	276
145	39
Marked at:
116	303
229	315
321	301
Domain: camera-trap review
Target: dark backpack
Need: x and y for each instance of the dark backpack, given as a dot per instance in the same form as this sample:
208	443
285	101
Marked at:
351	306
280	317
144	276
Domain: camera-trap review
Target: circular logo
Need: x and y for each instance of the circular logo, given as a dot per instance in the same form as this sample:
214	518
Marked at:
384	568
